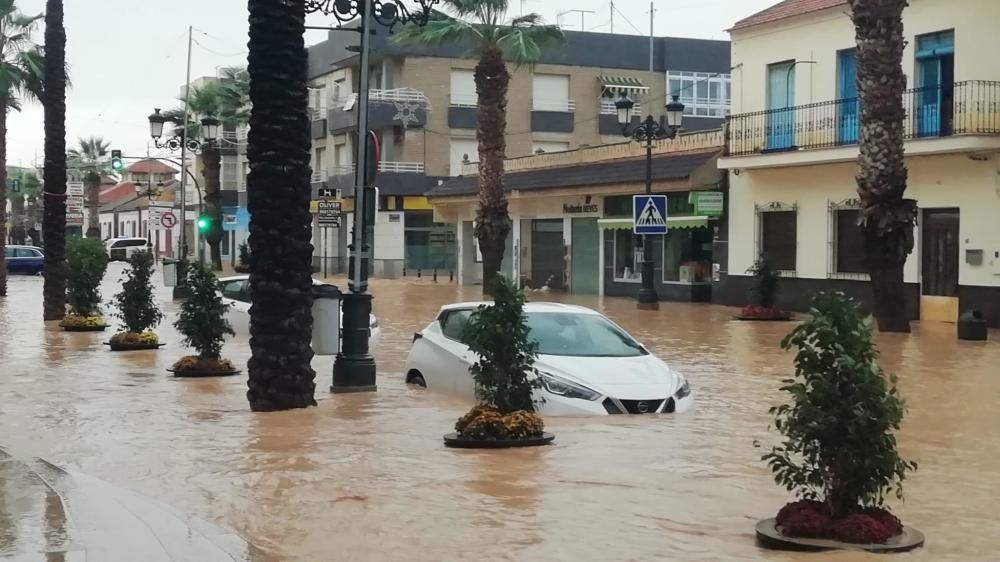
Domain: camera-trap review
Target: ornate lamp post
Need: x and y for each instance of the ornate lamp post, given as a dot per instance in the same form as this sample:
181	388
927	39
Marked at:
210	132
354	367
649	131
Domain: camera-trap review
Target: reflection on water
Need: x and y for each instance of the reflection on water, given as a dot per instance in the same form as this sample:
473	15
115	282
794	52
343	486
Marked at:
367	474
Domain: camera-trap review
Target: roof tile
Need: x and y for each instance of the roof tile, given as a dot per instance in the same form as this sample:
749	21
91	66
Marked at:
786	9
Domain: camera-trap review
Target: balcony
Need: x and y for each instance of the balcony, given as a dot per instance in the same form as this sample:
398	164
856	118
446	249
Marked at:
317	119
552	115
607	121
394	178
400	107
953	118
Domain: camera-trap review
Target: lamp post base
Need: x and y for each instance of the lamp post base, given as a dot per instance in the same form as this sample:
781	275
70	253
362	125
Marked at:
648	300
353	374
354	368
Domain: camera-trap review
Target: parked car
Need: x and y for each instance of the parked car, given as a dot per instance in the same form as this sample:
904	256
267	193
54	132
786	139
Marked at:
27	260
235	291
587	364
121	249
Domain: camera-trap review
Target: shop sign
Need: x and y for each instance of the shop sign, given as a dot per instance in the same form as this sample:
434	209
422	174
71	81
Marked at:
584	207
329	213
707	203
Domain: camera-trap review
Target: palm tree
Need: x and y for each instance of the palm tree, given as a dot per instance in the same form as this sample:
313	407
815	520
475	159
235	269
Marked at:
278	191
226	100
21	64
54	222
886	217
91	158
521	41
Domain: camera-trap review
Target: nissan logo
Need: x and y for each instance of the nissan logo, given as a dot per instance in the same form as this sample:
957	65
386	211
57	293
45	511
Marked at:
643	407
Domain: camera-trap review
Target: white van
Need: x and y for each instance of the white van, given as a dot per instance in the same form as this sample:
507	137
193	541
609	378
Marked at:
121	249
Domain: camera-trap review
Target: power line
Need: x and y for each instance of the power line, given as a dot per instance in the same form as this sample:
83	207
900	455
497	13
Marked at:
624	17
218	54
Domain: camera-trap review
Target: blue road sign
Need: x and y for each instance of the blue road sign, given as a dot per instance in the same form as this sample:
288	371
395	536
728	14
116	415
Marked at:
649	214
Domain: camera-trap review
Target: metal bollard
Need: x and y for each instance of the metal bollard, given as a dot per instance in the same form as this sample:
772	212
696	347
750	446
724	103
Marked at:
404	272
451	276
418	273
435	275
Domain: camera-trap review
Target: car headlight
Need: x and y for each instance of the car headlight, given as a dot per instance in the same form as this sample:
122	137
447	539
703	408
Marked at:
684	391
562	387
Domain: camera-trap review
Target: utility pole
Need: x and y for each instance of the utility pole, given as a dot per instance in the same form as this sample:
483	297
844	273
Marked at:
652	11
187	96
612	16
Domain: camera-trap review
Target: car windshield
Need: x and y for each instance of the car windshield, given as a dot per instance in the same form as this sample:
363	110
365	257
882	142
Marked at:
580	335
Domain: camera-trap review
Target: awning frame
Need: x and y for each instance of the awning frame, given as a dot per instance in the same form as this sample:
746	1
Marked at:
617	85
622	223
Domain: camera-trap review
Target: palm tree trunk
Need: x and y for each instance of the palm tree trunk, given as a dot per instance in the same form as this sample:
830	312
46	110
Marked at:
211	160
278	191
493	222
886	217
3	198
93	191
54	101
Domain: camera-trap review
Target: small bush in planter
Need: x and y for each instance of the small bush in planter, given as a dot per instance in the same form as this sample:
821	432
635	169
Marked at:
498	335
243	266
839	454
86	263
202	322
763	292
136	304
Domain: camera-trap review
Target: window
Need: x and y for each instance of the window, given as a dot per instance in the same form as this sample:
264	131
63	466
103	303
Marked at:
778	231
550	92
8	252
628	256
235	290
580	335
320	166
229	174
462	151
454	322
463	88
703	94
429	245
847	239
690	249
338	91
25	253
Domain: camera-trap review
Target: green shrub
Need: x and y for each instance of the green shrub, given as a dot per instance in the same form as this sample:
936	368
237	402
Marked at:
86	263
839	446
764	289
498	335
202	319
135	303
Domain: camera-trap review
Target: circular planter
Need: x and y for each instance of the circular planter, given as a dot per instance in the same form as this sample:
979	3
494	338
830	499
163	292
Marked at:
788	318
83	328
769	537
453	440
132	346
191	374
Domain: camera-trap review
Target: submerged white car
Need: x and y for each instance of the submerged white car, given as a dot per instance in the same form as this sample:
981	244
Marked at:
587	363
236	292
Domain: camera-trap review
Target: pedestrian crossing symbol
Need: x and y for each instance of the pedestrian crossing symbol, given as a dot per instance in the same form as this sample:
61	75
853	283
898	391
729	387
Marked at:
649	213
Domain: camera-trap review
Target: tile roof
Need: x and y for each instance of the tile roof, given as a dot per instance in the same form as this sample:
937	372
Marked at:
150	166
677	166
786	9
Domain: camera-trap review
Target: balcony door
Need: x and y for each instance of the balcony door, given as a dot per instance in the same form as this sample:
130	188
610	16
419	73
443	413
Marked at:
935	83
780	99
848	107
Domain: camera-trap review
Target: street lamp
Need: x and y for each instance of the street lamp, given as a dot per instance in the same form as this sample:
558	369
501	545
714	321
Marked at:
649	131
354	367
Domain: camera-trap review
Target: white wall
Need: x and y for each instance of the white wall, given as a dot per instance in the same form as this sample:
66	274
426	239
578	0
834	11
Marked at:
461	147
935	182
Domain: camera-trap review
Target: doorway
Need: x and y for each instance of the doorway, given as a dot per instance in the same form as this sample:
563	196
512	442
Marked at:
548	254
939	265
780	99
585	253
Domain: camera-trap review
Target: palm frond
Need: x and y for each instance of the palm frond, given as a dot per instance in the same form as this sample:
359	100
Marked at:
524	45
437	32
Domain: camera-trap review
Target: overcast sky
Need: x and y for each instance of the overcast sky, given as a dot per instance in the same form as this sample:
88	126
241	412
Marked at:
128	56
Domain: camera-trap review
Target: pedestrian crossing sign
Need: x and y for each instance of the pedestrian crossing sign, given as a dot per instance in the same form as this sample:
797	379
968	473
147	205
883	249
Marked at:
649	214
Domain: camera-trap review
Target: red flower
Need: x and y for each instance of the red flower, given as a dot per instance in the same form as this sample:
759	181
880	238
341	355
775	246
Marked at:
804	518
886	518
859	528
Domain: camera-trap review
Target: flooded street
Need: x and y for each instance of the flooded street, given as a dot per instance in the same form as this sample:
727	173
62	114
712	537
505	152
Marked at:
366	477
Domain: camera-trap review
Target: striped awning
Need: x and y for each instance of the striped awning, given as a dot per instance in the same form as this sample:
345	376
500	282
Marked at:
672	223
623	84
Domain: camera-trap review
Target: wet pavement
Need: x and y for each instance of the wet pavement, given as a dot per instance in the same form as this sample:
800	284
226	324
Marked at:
365	477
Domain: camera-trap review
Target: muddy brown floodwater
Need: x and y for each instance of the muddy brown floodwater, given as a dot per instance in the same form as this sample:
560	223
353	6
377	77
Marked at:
365	477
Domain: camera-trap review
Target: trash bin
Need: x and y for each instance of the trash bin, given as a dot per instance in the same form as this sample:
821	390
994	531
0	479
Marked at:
326	320
972	326
169	272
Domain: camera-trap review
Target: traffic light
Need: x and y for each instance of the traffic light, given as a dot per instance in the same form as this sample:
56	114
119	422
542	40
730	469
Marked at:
116	161
203	224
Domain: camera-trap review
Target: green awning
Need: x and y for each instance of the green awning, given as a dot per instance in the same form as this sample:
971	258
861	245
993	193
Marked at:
672	223
623	84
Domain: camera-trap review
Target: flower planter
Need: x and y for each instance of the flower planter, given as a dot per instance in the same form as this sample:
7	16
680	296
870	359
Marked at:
456	441
121	346
191	367
787	318
768	536
757	313
83	328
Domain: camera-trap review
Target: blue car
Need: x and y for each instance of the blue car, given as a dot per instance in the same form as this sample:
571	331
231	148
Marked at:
27	260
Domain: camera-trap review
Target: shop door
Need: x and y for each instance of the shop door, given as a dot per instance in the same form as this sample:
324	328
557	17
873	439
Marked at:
548	254
939	268
584	262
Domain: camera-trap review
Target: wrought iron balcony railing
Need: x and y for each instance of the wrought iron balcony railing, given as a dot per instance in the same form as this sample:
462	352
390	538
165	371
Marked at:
963	108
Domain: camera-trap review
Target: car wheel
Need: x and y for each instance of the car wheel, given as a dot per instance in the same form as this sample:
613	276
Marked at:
40	272
416	379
